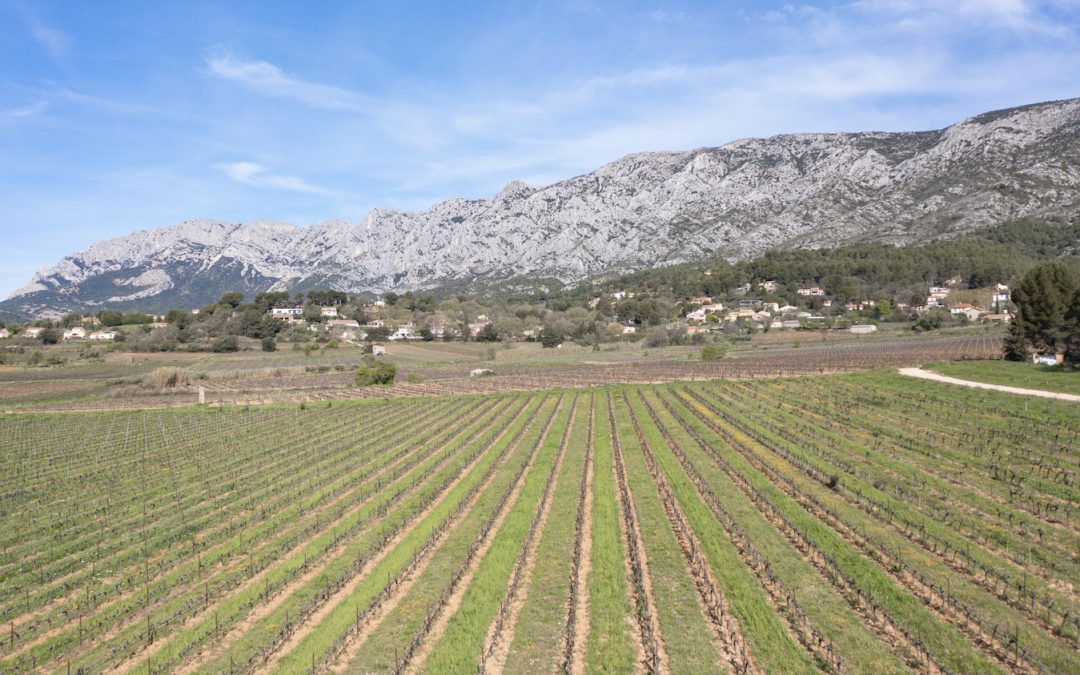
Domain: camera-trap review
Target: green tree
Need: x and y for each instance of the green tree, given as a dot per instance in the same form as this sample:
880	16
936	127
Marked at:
1044	301
231	298
488	333
426	335
225	343
375	372
111	317
714	352
50	336
550	336
269	344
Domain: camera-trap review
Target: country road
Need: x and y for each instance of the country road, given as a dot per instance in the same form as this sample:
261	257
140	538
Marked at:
938	377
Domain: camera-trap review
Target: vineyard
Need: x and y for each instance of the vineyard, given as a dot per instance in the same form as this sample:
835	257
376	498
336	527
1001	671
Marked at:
839	523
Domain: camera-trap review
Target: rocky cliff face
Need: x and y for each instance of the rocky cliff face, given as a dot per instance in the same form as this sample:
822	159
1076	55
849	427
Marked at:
737	200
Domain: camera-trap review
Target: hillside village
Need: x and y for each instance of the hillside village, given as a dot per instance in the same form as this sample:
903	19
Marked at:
327	316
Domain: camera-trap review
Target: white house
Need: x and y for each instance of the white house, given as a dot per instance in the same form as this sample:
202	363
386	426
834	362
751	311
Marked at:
813	291
287	312
629	330
768	285
328	311
378	350
713	307
1000	298
787	309
4	333
863	328
33	331
402	334
103	335
970	311
375	323
696	315
76	333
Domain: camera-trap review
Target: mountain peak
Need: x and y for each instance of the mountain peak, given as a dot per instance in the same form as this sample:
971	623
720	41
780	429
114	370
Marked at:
644	209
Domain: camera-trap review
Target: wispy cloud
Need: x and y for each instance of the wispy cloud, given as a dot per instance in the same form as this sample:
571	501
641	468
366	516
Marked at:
256	175
32	110
267	78
55	41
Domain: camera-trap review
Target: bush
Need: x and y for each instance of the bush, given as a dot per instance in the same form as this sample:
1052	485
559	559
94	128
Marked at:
165	378
269	344
375	372
225	343
713	352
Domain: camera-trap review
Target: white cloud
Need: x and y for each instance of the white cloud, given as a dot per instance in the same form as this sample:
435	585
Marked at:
255	175
32	110
266	78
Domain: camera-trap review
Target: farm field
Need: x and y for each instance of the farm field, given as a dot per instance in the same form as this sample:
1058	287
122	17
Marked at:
840	523
433	369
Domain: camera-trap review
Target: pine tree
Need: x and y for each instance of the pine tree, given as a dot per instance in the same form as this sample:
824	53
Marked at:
1043	299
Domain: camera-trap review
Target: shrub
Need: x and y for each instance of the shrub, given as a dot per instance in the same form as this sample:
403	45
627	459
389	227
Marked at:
269	344
225	343
713	352
375	372
164	378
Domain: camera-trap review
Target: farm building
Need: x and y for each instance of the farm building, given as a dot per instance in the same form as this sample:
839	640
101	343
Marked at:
863	329
76	333
103	335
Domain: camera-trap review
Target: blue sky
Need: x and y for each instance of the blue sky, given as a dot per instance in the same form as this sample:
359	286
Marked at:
120	116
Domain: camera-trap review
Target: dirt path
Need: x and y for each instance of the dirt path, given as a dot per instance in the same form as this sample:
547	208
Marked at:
501	632
938	377
577	623
653	655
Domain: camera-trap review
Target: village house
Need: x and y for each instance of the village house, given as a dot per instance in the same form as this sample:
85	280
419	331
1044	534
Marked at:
375	323
696	330
964	309
937	296
33	331
812	292
4	333
76	333
1004	318
403	333
328	312
701	300
714	307
378	350
103	335
768	285
787	309
1000	298
287	313
380	303
863	328
773	307
696	315
343	323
